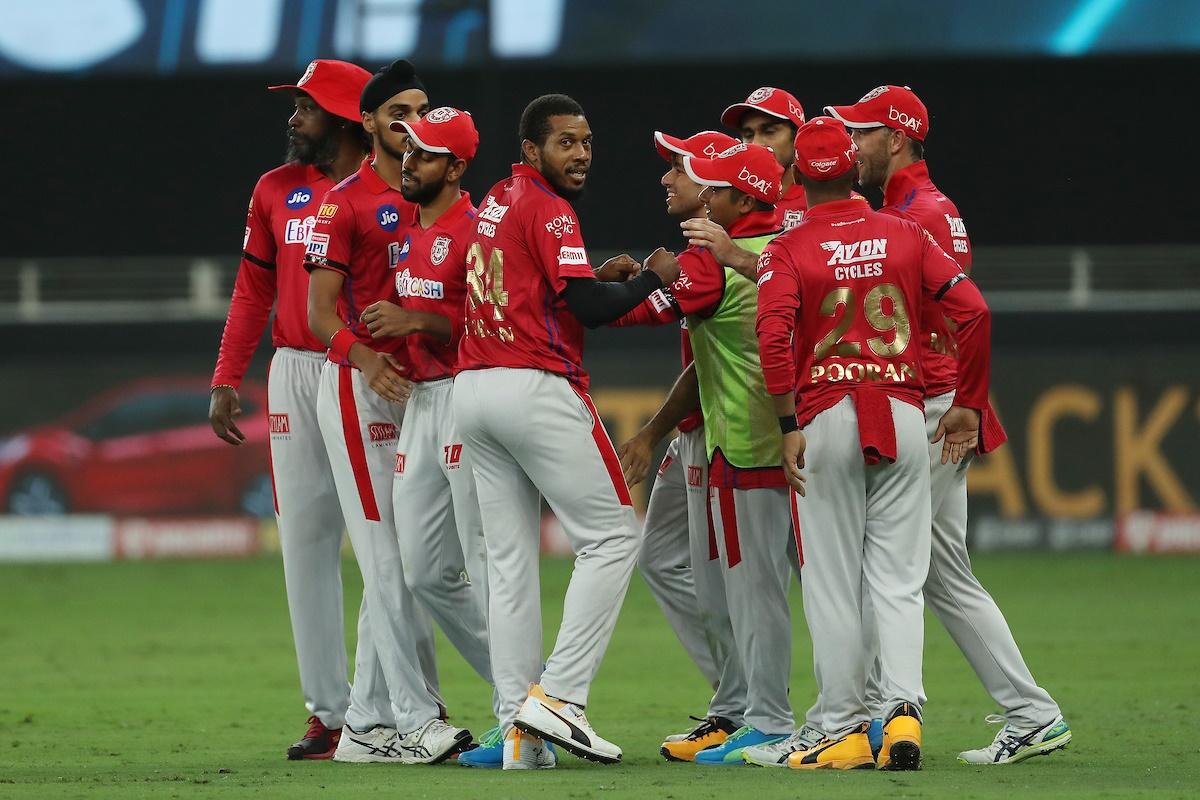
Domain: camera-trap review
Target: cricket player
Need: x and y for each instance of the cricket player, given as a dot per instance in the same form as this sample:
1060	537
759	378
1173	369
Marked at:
521	405
889	125
748	493
326	143
840	299
433	495
360	408
679	557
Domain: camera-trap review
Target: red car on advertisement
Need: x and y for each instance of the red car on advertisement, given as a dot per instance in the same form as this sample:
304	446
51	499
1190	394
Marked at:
145	447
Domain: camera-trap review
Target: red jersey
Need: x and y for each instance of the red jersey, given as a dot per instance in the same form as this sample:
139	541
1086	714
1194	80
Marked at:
911	194
790	208
282	212
525	246
851	284
430	276
357	233
695	417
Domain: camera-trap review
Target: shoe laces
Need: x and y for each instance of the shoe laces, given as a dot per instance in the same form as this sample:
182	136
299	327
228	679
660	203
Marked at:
316	728
1005	736
738	734
492	738
708	725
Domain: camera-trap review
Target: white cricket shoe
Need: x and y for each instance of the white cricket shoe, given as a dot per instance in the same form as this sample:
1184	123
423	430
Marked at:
564	724
1013	745
776	754
523	751
377	745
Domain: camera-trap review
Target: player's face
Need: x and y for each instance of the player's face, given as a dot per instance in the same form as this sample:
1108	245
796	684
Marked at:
409	106
683	194
424	175
721	203
874	145
772	132
566	156
311	133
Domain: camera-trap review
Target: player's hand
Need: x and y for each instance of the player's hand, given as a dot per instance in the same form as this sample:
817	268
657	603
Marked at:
384	375
618	268
705	233
793	460
385	320
636	456
663	264
958	430
223	406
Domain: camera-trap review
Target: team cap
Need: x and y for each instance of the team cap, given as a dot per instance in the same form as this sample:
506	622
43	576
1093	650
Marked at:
824	150
705	144
443	130
335	85
751	168
768	100
888	106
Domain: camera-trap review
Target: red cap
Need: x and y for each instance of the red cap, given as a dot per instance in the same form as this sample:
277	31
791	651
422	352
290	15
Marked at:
824	150
751	168
443	130
705	144
768	100
335	85
890	106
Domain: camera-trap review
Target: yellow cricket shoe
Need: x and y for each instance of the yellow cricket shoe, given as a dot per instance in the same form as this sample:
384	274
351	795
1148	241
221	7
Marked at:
711	732
901	740
852	751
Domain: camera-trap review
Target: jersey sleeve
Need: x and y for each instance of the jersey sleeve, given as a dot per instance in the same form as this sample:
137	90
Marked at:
332	239
944	282
778	309
697	290
253	297
557	243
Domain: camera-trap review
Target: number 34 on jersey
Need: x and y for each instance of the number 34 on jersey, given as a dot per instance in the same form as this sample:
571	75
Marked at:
486	298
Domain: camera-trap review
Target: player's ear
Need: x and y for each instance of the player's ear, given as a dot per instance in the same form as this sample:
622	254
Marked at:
368	123
456	169
531	153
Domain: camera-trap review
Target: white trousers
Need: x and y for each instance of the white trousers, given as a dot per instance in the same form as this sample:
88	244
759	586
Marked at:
532	434
360	431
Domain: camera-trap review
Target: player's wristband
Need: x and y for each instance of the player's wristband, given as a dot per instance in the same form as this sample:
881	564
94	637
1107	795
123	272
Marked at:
788	423
341	342
228	386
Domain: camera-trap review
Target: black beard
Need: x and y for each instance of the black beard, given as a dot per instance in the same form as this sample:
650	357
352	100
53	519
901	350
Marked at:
424	193
305	150
571	195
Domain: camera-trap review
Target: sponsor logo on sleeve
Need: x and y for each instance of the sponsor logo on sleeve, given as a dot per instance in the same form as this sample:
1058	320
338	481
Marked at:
766	276
318	245
327	210
246	238
299	197
388	217
659	300
440	249
297	230
572	255
563	224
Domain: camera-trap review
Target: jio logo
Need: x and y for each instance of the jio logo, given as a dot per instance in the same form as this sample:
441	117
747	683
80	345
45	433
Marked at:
299	198
388	217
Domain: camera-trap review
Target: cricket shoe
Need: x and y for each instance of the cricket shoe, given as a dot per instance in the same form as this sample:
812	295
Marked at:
1013	745
318	743
710	732
433	742
852	751
565	725
901	740
776	754
489	754
729	752
525	751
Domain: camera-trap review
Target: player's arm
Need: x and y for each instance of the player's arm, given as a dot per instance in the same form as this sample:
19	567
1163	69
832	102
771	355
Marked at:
595	303
385	320
637	453
711	236
778	306
249	310
944	282
698	290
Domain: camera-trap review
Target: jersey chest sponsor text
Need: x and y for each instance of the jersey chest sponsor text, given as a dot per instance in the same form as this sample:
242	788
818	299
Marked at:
409	285
296	231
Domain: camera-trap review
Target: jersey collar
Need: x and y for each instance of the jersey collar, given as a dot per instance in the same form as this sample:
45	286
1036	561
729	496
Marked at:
756	223
447	217
526	171
836	208
904	181
370	178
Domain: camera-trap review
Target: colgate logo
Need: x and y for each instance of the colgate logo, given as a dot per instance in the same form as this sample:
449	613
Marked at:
907	120
381	431
824	165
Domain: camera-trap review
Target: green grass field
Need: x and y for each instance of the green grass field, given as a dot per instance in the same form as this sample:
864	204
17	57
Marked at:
178	680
